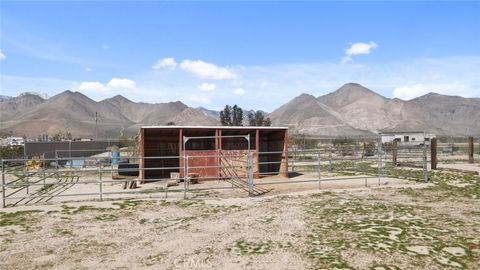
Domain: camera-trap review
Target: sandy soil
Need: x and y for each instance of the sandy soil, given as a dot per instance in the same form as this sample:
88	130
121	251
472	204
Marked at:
475	167
394	226
86	187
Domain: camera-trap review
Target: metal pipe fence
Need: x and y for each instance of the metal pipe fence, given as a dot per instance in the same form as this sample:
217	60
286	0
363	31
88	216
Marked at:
46	179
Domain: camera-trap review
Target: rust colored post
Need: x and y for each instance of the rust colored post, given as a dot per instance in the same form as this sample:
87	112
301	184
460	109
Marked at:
285	155
220	162
470	149
217	155
256	160
181	163
394	153
433	153
220	139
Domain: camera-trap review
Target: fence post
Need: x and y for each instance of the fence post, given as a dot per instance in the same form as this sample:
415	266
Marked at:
56	165
3	185
330	156
185	176
433	153
100	182
70	153
394	153
470	149
44	169
27	177
56	160
250	173
294	158
425	162
111	163
355	152
379	159
319	171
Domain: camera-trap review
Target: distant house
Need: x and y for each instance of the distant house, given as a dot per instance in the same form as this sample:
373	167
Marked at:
13	141
407	137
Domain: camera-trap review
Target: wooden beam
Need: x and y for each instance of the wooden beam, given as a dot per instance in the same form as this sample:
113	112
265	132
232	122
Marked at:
256	160
433	153
217	154
181	163
470	150
141	150
394	153
285	151
220	139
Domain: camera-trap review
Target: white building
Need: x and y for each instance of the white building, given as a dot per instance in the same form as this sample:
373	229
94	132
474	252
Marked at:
407	137
13	141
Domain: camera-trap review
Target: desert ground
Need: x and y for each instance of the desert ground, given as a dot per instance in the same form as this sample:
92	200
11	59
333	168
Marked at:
404	226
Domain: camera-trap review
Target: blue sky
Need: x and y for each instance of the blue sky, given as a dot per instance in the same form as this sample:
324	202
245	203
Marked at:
256	54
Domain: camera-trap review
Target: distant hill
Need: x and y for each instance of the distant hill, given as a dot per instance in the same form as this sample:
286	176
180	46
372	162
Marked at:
194	117
350	110
211	113
3	98
74	112
355	110
11	107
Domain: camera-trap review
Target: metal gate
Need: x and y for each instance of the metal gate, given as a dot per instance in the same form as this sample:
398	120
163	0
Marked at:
234	166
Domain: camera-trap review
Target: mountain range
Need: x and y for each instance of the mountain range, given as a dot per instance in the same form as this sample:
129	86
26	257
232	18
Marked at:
355	110
350	110
74	112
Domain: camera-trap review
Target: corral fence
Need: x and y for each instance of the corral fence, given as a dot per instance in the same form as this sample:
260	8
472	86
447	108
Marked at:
366	161
458	150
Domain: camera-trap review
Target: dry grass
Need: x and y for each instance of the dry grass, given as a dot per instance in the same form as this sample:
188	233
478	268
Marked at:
435	227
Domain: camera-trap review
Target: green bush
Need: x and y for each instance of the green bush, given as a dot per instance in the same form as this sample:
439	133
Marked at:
11	151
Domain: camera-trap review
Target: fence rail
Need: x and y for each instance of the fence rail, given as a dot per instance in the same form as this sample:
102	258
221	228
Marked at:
40	180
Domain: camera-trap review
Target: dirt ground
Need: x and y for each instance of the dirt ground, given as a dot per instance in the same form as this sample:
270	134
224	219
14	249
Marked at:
407	225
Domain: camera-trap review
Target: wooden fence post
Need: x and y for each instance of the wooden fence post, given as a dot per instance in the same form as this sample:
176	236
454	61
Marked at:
470	150
433	154
394	153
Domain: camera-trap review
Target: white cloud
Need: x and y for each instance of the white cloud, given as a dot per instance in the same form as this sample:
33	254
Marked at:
88	69
200	99
206	70
112	85
93	86
207	87
2	56
453	76
358	49
165	63
239	91
118	83
105	47
408	92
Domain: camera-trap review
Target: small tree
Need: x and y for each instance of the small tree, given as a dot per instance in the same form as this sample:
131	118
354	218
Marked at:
251	119
57	137
171	123
225	116
256	118
237	116
11	151
267	122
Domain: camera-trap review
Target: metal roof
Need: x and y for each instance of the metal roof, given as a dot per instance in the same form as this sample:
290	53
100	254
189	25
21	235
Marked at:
211	127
